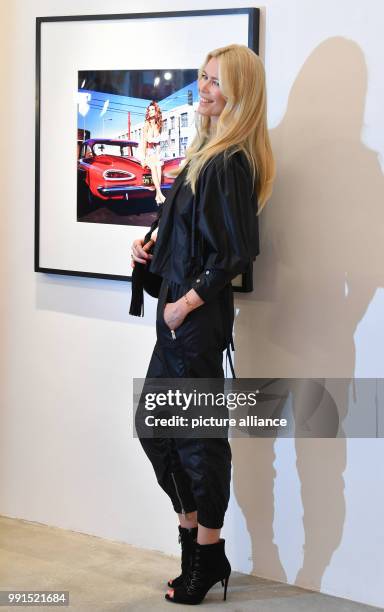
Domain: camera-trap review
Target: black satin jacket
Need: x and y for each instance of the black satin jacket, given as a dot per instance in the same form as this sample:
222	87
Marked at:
205	241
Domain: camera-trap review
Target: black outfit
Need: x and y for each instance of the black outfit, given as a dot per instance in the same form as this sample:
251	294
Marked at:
203	242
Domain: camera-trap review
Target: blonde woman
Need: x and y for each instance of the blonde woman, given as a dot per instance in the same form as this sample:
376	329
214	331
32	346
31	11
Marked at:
150	146
207	235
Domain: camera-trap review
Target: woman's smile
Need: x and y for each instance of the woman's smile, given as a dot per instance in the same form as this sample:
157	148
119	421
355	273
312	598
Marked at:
212	101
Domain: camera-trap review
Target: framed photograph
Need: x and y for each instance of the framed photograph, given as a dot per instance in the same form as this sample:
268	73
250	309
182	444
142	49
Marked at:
114	116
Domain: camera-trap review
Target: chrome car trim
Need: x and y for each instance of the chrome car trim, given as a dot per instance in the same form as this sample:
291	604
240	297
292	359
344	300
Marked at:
120	189
125	175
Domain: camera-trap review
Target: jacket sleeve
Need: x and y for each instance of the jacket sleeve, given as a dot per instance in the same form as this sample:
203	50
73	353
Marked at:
227	223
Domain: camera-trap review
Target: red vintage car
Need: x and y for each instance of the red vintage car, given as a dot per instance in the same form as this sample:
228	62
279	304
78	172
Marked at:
110	171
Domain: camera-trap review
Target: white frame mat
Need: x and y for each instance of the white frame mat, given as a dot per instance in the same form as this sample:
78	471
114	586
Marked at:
182	39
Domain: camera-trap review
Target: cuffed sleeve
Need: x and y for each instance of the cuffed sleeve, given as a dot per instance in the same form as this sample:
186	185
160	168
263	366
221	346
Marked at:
227	223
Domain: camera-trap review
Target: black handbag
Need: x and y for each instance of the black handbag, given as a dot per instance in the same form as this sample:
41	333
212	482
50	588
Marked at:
144	280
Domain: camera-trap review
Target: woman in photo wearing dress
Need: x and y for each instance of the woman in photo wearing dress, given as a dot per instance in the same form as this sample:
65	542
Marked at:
150	146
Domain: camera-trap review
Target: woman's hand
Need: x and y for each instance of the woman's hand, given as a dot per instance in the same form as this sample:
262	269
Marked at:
140	252
174	314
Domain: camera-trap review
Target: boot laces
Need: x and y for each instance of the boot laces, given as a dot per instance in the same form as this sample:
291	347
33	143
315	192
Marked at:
195	577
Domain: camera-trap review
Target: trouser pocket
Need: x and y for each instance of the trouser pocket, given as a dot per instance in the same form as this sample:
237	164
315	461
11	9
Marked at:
194	349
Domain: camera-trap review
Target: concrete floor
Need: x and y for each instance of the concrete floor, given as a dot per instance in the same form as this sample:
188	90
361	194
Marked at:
102	575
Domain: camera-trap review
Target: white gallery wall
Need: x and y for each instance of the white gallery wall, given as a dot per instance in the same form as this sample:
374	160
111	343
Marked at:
307	512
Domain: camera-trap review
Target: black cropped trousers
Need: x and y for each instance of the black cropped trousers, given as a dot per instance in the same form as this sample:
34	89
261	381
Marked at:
194	472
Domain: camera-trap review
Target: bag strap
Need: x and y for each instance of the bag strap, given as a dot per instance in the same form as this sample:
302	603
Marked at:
155	224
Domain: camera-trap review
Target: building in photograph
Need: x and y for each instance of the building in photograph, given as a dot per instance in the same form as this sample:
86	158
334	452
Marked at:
177	132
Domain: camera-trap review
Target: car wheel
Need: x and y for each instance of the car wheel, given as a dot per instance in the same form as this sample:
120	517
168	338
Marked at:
92	201
86	201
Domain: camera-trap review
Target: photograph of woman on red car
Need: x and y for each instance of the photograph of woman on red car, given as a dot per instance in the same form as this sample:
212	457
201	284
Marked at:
132	132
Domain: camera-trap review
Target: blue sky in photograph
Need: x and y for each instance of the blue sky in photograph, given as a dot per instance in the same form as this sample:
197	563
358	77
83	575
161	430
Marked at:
106	115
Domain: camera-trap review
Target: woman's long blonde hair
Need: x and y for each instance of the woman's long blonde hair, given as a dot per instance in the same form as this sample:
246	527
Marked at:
242	125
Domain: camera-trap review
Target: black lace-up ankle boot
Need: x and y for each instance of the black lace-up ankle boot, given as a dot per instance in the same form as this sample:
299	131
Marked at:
187	539
209	565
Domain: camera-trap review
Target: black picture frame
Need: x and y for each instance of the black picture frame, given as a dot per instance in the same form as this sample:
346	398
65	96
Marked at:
45	30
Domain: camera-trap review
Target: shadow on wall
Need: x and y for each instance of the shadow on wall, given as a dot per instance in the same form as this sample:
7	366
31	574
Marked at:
319	267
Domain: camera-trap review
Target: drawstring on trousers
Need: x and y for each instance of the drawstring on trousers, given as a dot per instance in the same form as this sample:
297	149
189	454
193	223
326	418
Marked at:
231	345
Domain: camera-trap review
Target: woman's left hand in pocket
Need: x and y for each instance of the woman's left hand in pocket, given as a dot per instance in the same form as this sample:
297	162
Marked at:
174	315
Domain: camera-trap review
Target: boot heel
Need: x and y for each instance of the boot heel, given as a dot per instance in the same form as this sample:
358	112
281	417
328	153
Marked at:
225	587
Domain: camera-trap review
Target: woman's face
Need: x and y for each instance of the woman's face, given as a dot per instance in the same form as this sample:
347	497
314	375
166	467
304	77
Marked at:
151	111
211	101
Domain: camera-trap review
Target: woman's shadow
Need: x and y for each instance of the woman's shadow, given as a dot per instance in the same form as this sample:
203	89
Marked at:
318	270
